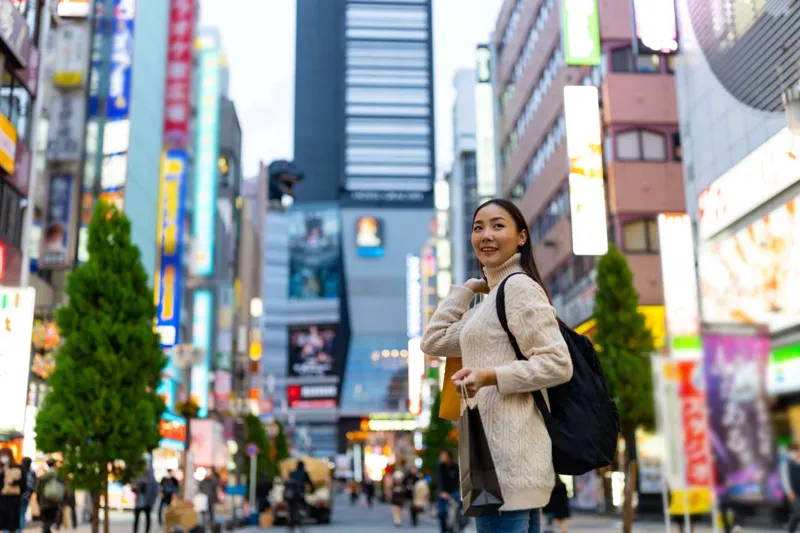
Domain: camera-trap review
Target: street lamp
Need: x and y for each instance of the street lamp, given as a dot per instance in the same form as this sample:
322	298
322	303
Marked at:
185	356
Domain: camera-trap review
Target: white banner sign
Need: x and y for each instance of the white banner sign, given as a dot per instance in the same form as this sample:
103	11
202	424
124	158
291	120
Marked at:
16	328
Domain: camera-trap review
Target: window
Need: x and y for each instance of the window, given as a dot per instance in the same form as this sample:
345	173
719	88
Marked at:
677	151
641	236
623	60
648	63
10	216
641	145
15	104
374	95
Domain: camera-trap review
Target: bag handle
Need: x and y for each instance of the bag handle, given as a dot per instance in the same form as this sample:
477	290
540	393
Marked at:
538	397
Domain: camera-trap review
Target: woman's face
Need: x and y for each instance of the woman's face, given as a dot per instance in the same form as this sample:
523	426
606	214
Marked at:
494	236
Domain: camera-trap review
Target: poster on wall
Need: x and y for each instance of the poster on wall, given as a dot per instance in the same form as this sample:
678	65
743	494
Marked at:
743	440
56	240
753	276
369	237
314	268
311	350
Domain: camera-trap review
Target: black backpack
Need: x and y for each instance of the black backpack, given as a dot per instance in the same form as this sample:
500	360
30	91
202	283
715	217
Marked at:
583	422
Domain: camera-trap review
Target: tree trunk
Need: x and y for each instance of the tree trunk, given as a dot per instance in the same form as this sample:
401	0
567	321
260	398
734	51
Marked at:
106	522
95	516
631	476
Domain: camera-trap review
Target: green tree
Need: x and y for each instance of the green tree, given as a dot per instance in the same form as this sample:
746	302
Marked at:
281	444
624	344
265	466
440	435
102	411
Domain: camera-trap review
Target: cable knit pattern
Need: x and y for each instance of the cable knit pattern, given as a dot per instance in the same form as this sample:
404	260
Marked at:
518	438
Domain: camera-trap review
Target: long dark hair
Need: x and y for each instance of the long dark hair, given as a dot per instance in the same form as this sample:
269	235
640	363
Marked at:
527	261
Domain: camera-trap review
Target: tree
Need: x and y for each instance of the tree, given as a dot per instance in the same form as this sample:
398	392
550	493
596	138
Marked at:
103	411
281	444
440	435
624	346
256	434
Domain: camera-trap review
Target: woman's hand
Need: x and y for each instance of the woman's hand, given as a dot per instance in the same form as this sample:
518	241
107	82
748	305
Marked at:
473	380
478	286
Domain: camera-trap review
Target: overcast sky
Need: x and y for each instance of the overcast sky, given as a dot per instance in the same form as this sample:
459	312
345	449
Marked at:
258	40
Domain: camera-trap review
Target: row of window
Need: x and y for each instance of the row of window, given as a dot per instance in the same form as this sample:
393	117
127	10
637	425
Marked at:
386	34
555	210
640	236
538	93
623	60
383	54
386	126
540	158
574	269
533	37
386	16
511	27
393	77
387	110
387	95
642	145
389	154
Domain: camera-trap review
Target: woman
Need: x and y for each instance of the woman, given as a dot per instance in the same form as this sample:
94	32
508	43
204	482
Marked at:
398	496
491	373
558	508
12	485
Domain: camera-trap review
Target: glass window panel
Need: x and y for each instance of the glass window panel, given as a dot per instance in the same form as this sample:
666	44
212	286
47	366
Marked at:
379	33
635	235
654	147
363	95
383	126
621	60
397	154
652	235
388	170
410	80
628	145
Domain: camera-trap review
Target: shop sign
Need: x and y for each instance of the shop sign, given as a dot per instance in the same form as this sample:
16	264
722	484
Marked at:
581	32
65	134
312	396
172	429
178	91
16	317
57	241
8	144
72	58
14	33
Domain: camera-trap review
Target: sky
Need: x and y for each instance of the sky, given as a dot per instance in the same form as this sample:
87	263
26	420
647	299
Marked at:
258	39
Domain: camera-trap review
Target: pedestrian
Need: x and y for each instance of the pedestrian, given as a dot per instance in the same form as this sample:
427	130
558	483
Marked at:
146	490
353	489
50	494
447	483
12	487
398	496
369	492
419	501
169	488
557	510
68	508
790	478
411	479
209	487
30	486
491	374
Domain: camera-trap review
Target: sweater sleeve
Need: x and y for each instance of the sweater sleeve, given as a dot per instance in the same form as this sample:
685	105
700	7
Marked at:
532	321
441	339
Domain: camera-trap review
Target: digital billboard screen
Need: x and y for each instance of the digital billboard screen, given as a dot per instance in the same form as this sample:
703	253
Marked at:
369	237
314	250
311	350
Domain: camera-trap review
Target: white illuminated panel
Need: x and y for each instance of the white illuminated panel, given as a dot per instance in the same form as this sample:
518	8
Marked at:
416	369
656	25
392	425
484	141
441	195
413	296
16	319
586	189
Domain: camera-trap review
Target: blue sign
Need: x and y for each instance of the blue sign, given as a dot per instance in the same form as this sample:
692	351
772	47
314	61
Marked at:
120	70
201	338
169	254
56	242
206	165
236	490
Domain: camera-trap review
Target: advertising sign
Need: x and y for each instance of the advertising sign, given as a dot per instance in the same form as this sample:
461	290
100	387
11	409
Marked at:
207	150
121	73
74	8
369	237
314	254
416	370
223	387
72	42
656	26
581	32
741	428
14	33
169	254
16	316
768	170
753	276
178	92
485	154
201	338
57	244
783	371
312	396
311	350
65	134
172	429
677	266
413	296
8	144
586	190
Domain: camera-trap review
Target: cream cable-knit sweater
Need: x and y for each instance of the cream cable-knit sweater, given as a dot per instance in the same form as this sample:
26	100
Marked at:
518	438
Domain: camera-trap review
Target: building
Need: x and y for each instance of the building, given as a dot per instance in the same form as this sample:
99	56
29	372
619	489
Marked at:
366	146
741	146
631	91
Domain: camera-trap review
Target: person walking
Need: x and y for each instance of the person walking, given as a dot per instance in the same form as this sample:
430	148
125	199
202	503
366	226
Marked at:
68	515
146	490
12	486
410	480
557	510
369	492
419	501
447	484
790	478
30	487
169	488
491	374
398	496
209	487
50	494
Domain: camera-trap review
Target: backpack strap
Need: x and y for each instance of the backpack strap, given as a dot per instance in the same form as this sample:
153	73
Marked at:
538	397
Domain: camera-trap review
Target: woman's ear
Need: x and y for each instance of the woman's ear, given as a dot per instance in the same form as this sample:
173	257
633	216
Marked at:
523	237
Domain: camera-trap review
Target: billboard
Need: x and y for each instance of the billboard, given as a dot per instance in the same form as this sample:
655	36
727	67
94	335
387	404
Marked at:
312	396
752	276
207	150
311	350
314	250
57	242
178	90
369	237
74	8
118	103
586	190
169	251
16	315
202	312
676	242
783	371
741	428
172	429
581	32
656	26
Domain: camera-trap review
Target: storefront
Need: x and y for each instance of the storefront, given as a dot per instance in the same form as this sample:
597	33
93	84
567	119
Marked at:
379	443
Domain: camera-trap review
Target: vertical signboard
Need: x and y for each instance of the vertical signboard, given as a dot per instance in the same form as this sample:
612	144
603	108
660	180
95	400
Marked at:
741	428
178	91
16	318
484	126
56	241
65	134
72	42
169	241
586	189
416	359
201	338
121	61
580	32
656	26
679	273
207	150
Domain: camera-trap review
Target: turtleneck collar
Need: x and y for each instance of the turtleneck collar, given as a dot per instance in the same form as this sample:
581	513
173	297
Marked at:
494	276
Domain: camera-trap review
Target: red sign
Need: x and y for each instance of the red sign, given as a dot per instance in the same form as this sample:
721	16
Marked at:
312	396
173	430
178	89
694	419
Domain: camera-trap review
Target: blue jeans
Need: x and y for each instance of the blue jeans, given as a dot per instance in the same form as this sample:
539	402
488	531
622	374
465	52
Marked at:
23	511
510	522
444	507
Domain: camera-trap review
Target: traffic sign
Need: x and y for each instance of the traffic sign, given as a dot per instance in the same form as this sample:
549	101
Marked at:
251	450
